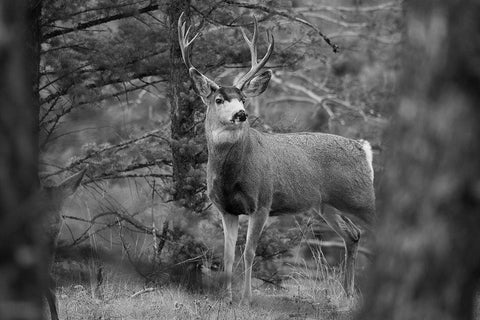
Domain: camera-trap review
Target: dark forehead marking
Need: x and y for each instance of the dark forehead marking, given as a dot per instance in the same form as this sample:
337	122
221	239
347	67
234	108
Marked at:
229	93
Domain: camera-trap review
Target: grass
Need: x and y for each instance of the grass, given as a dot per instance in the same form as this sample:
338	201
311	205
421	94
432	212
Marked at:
320	281
300	298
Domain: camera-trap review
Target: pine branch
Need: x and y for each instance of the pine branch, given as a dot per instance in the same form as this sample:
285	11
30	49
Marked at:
56	118
101	68
97	8
121	145
96	22
156	71
73	106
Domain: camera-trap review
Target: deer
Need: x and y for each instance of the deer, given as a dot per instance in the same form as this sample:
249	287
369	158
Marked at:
55	196
269	174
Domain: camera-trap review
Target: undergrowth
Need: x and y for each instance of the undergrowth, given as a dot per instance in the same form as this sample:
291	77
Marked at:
307	293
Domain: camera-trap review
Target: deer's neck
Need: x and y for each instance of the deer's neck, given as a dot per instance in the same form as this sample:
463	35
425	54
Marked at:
227	148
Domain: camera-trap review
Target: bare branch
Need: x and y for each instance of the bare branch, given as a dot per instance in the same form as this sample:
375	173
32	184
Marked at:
333	20
291	98
309	93
48	111
396	5
334	47
121	175
124	217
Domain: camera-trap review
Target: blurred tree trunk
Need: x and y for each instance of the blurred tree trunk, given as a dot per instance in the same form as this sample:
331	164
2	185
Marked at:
33	47
183	103
429	218
22	271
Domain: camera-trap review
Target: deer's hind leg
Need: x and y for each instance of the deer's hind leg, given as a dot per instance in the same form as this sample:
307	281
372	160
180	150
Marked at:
350	234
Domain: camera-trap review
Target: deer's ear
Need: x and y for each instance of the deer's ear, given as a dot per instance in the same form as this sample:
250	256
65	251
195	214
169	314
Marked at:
70	185
203	85
257	85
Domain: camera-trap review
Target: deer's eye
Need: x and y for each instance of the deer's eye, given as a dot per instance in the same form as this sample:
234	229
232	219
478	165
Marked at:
219	101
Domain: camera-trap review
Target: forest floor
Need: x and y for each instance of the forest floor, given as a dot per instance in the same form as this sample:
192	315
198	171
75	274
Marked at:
124	296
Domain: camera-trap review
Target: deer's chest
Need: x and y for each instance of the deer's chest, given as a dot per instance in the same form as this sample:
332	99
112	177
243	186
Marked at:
230	196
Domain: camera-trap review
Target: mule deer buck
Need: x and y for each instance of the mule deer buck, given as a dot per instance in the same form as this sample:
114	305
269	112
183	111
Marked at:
262	174
55	196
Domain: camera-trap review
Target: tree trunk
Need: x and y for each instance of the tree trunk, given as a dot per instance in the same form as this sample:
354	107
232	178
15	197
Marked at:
184	103
428	260
22	271
33	47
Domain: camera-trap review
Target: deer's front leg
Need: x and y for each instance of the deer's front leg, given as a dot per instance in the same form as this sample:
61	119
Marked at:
230	230
256	222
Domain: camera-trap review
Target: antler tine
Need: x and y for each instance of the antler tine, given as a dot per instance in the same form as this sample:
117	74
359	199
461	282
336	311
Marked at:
256	66
184	42
253	43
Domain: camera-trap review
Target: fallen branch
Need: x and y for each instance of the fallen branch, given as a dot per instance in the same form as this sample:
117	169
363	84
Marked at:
142	292
338	244
272	283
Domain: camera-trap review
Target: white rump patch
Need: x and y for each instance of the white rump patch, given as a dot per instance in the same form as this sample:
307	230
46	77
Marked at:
368	154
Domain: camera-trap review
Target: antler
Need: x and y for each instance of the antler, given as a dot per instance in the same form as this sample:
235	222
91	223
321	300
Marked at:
184	42
256	66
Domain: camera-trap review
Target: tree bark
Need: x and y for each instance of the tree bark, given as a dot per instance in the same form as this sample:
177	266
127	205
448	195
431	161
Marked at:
184	104
428	261
22	270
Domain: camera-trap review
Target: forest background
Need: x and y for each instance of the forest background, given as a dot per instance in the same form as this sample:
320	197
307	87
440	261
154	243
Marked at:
147	212
115	98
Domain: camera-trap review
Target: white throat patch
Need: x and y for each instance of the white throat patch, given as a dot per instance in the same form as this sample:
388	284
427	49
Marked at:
225	135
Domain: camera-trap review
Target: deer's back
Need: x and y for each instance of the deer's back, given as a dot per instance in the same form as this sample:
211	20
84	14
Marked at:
313	168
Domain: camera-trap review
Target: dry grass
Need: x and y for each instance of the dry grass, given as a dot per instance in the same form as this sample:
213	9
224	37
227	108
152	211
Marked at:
301	298
318	281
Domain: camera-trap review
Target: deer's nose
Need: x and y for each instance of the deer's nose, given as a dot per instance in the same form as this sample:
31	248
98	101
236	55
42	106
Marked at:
240	115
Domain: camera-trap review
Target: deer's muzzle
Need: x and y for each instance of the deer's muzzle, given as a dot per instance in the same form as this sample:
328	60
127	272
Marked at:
240	115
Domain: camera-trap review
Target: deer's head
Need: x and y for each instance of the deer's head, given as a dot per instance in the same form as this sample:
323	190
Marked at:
226	104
